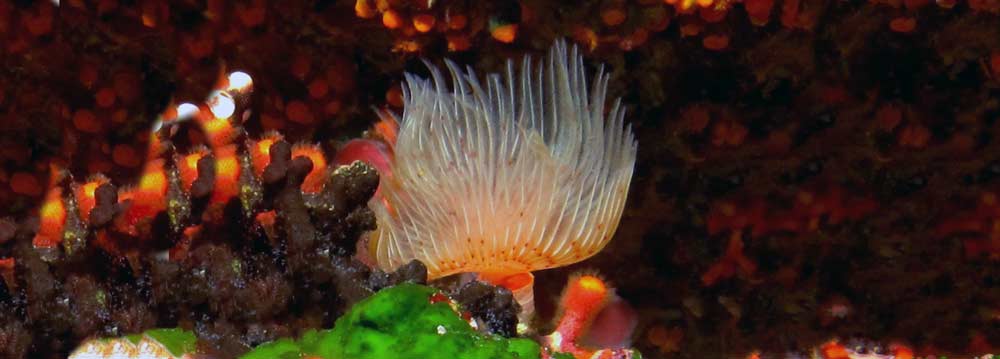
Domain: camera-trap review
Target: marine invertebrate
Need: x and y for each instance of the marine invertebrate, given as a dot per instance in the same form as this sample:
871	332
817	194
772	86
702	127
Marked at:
215	222
183	195
185	188
528	171
586	305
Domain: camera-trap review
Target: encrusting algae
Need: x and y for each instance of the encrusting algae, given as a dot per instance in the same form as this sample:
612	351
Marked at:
526	171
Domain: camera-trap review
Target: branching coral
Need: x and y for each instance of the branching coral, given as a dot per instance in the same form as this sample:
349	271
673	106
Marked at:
237	239
183	188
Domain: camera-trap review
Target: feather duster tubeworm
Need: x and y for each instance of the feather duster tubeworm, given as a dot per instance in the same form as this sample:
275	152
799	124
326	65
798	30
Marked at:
525	171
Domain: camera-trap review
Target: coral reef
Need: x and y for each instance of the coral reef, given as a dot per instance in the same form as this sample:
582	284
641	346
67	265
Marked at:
581	308
240	250
233	286
807	169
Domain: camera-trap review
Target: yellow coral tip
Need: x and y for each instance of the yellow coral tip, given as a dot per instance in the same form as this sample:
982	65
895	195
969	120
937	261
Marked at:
591	283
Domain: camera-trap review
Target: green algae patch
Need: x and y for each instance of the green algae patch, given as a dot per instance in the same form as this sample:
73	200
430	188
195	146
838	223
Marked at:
280	349
400	322
134	338
177	341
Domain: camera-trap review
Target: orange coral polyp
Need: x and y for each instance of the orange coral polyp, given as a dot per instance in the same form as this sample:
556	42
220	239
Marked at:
155	146
264	146
85	196
191	160
53	211
315	179
586	291
260	152
219	131
90	188
581	302
227	174
261	155
591	284
153	183
148	199
52	221
188	167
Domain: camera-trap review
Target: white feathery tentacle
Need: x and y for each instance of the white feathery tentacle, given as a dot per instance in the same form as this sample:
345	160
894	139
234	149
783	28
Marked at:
524	171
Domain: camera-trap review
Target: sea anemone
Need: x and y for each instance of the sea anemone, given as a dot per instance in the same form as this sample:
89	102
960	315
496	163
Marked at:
528	171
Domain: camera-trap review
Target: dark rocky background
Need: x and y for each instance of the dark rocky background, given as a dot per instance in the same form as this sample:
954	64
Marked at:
850	147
